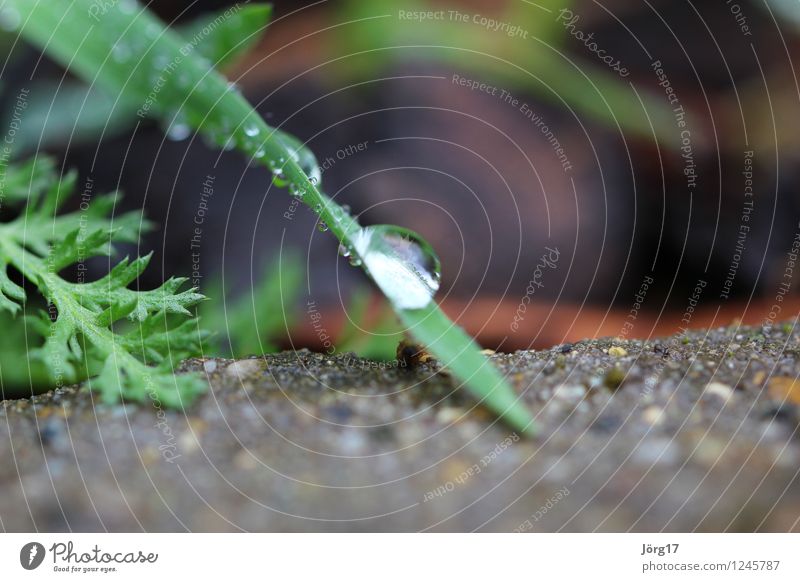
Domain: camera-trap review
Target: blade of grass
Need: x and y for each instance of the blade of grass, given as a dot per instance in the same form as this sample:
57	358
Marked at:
191	93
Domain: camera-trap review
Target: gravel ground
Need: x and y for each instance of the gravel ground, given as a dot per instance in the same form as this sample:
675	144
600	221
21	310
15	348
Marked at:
680	434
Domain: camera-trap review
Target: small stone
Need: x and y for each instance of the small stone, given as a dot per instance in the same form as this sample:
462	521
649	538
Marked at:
614	378
449	415
210	366
187	443
488	352
720	390
662	451
653	415
245	460
784	388
243	368
566	348
570	393
617	351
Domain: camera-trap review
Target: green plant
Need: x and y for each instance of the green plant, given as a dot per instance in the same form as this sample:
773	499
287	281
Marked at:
130	52
66	111
248	323
125	341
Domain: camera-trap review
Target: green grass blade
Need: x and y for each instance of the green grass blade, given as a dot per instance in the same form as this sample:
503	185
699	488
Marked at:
461	356
144	56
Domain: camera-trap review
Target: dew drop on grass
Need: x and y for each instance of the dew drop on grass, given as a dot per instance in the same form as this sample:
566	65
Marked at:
344	251
127	6
251	130
322	227
302	156
400	262
179	131
121	52
9	19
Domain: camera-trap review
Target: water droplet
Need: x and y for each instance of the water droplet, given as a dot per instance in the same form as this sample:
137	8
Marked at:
355	261
128	6
121	52
160	62
344	250
302	156
259	153
179	131
251	130
10	19
322	227
400	262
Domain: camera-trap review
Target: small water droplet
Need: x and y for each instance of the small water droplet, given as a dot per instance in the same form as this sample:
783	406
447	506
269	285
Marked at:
10	19
401	263
160	62
355	261
344	251
121	52
322	227
128	6
179	132
251	130
259	153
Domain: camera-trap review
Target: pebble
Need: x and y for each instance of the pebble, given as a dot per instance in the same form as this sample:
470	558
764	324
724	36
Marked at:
662	451
653	415
570	393
720	390
617	351
243	368
187	443
210	366
449	415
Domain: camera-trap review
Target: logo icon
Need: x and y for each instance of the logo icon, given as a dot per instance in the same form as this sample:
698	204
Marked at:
31	555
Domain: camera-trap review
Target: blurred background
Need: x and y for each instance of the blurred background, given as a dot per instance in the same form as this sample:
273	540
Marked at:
583	169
